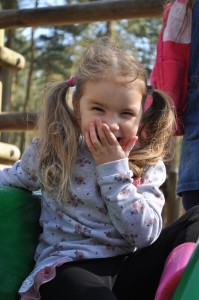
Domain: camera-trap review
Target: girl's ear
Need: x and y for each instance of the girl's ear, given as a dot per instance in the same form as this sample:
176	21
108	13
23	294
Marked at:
76	108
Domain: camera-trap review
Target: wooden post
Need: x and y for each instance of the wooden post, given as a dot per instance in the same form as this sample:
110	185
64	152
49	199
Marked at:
9	152
1	88
11	59
173	204
2	31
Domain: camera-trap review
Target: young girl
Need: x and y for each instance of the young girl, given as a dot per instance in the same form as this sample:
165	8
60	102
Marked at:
100	167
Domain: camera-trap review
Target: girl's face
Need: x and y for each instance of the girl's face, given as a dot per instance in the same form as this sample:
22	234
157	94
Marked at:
117	105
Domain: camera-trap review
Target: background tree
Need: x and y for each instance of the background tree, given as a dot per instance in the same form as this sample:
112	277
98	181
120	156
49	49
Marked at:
52	53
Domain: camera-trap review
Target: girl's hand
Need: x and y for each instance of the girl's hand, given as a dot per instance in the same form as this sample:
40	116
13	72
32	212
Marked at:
103	144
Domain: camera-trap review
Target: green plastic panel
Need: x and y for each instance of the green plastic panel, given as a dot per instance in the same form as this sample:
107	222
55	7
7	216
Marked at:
19	230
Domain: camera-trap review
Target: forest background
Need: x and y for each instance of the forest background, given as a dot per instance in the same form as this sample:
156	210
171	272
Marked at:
52	53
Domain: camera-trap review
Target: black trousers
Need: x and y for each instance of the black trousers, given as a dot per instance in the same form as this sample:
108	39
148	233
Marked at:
132	277
190	199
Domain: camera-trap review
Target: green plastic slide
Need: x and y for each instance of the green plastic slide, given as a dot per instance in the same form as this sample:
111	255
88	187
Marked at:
19	230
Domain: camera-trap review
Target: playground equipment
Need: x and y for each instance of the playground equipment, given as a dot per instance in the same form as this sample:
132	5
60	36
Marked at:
174	268
188	287
19	230
8	154
13	61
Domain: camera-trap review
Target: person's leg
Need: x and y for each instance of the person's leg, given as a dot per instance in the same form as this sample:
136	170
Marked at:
141	273
188	175
190	199
88	279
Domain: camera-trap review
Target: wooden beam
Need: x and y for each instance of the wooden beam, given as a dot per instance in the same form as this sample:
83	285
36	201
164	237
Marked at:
81	13
17	121
11	59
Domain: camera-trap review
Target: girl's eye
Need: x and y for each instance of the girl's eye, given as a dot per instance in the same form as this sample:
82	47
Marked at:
128	113
98	109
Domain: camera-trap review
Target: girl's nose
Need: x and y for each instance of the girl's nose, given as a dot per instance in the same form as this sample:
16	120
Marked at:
113	124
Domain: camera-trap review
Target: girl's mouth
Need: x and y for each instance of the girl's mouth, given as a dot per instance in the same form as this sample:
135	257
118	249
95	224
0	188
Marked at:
119	140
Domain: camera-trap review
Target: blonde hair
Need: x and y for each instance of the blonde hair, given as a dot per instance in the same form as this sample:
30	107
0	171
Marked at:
60	132
58	136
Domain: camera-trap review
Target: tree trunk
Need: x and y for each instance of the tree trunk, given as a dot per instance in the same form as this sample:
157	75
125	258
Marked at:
110	29
28	88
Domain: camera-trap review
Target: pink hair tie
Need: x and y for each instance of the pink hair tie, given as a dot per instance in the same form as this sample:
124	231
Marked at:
71	81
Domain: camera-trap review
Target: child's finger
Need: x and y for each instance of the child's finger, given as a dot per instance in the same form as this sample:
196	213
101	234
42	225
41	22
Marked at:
112	140
93	135
92	138
88	142
100	132
104	133
131	143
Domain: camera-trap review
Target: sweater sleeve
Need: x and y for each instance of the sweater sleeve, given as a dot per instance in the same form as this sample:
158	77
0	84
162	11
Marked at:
23	173
134	211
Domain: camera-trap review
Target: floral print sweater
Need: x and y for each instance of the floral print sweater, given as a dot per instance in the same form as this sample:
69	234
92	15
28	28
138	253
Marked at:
106	214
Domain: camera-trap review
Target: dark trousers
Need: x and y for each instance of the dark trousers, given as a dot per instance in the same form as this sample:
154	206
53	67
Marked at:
131	277
190	199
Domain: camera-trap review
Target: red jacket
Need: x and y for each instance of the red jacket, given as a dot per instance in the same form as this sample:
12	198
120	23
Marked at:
170	72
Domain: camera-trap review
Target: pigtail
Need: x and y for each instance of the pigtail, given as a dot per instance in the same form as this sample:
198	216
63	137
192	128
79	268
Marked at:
58	133
155	133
